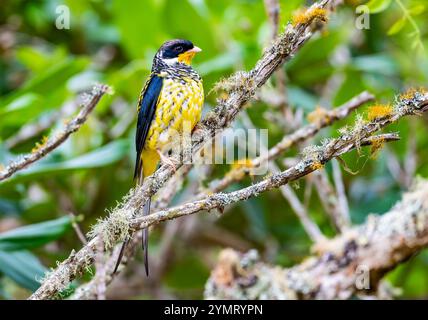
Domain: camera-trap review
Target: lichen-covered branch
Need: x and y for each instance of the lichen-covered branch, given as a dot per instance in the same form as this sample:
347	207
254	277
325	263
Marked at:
52	143
327	118
220	200
118	225
87	291
348	265
241	87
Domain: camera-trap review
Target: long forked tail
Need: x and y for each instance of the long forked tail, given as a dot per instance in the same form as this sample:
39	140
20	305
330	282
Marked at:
122	250
142	169
145	243
145	238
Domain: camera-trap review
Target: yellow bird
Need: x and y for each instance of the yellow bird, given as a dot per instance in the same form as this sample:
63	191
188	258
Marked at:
170	101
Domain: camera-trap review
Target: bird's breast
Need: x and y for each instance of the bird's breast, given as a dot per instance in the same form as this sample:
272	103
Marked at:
179	108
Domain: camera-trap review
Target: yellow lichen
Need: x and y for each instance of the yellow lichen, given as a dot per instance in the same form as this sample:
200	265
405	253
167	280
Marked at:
379	111
306	16
316	165
377	145
410	93
318	115
40	144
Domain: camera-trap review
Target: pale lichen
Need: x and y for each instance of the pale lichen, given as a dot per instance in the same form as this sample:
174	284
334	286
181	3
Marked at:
113	228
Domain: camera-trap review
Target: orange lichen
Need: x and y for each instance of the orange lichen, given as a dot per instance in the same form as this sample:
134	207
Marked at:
40	144
306	16
318	115
410	93
379	111
316	165
377	145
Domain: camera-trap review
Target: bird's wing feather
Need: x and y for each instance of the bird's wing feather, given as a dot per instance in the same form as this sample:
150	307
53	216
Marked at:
146	112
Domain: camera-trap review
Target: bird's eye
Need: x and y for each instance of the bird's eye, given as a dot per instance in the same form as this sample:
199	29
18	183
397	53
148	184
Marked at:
178	49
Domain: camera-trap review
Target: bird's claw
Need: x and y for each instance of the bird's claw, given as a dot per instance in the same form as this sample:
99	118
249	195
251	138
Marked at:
167	161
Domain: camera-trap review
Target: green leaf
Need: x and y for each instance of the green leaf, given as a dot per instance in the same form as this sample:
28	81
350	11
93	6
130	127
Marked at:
139	27
100	157
377	6
397	26
22	267
417	9
376	63
34	235
49	80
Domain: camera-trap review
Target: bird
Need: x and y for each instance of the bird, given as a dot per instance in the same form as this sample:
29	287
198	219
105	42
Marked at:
170	101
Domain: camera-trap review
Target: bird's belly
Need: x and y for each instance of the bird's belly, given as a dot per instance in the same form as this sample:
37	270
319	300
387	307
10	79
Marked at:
178	110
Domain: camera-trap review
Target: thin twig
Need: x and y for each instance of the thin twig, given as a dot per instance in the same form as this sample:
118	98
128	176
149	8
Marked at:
329	200
77	228
341	194
308	224
72	126
44	123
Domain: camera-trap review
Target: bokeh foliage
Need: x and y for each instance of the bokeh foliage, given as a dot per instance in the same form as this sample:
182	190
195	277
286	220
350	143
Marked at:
43	69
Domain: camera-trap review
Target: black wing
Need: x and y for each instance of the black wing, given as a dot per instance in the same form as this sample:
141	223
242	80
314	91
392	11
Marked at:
146	112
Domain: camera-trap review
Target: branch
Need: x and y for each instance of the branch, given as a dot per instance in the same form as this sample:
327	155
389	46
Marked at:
88	291
241	88
341	195
352	263
288	141
330	201
54	142
120	222
308	224
32	130
220	200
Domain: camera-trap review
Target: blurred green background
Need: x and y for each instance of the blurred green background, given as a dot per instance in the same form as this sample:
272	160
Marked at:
43	69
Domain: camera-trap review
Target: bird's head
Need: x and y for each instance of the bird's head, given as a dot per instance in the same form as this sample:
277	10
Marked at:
177	51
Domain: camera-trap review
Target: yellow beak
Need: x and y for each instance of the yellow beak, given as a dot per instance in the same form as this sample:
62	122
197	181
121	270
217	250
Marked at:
187	56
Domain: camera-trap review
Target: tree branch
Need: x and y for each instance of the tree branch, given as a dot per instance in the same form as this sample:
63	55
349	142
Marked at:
241	88
352	263
120	222
54	142
288	141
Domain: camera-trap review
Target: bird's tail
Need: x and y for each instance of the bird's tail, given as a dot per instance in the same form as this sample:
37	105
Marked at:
142	169
145	238
151	160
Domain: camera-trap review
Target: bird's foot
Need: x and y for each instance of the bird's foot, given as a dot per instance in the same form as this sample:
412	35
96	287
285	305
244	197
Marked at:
167	161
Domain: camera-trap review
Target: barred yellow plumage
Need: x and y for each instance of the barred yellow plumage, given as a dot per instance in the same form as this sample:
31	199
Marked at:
179	101
170	102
